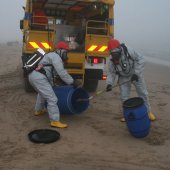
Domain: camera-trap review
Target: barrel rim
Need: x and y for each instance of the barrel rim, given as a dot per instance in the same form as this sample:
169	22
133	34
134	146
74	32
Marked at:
69	109
125	105
87	102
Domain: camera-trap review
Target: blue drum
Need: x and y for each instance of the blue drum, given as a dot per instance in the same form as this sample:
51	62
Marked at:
136	116
68	99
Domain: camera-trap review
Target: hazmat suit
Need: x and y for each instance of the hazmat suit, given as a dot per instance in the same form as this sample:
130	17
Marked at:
43	83
129	68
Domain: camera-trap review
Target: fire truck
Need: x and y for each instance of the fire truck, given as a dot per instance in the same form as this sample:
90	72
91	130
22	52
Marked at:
86	25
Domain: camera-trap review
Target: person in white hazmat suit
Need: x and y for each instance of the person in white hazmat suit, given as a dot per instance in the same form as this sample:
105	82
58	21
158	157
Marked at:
126	66
42	81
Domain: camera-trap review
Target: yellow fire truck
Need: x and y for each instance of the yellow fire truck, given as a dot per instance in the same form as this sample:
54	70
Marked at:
86	25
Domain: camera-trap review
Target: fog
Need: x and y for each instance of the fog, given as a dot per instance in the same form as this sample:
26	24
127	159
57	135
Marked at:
10	14
144	23
139	23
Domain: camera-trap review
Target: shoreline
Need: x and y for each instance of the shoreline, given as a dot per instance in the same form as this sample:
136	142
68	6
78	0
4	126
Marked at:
157	61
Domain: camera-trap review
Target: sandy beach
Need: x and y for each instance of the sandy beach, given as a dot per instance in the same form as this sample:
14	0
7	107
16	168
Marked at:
94	140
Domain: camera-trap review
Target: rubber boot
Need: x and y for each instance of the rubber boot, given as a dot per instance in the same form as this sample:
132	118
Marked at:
40	112
151	116
58	124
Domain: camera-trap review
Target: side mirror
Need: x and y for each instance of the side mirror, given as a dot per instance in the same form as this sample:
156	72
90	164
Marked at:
21	24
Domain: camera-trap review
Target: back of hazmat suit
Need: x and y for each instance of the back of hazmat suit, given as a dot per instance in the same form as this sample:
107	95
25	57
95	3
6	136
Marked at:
42	83
129	66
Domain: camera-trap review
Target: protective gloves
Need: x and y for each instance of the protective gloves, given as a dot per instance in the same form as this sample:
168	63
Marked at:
77	83
134	78
109	87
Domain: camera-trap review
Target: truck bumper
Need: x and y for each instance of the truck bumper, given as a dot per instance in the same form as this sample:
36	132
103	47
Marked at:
94	74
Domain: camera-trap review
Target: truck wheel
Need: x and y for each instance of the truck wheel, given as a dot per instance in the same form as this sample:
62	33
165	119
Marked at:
90	84
27	86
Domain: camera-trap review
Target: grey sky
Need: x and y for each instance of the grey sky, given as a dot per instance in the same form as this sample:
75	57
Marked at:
143	21
137	22
10	14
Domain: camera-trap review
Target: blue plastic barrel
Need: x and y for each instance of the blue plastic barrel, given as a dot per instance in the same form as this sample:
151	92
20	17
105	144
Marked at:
68	99
136	116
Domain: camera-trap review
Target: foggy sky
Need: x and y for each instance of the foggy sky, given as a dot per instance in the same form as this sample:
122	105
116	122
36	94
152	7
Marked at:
10	14
145	22
137	22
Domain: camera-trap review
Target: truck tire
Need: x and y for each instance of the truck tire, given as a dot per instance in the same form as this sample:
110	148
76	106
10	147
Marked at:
27	86
90	84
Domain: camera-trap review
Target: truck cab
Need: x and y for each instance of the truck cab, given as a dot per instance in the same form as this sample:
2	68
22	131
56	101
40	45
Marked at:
84	24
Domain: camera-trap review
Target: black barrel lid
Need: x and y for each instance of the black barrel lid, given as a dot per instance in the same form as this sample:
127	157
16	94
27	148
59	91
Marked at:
133	102
44	136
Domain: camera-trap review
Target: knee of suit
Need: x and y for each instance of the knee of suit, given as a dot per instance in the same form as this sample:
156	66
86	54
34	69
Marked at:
124	95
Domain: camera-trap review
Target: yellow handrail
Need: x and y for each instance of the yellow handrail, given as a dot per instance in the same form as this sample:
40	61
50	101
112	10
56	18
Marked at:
102	25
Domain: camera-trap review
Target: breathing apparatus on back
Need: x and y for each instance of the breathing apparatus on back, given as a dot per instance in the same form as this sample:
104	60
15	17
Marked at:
33	61
127	62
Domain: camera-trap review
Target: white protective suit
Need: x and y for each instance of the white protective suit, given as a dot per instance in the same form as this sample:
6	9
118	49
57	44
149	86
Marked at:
134	65
43	84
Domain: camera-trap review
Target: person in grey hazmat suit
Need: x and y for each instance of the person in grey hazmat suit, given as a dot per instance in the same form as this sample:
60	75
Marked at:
127	66
42	81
